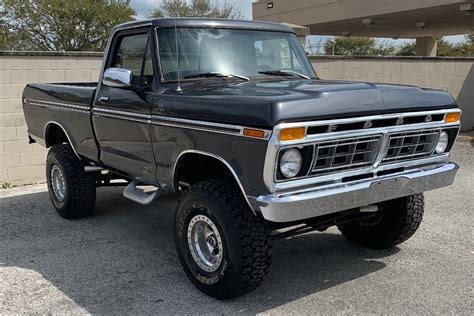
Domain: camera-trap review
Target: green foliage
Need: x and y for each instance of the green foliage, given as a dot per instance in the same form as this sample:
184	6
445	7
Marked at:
7	185
357	46
445	48
407	49
363	46
197	8
353	46
55	25
6	37
470	38
384	48
465	49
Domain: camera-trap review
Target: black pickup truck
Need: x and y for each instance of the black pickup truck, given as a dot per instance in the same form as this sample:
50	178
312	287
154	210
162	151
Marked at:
232	116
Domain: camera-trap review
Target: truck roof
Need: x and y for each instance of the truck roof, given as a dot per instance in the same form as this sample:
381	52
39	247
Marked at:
207	23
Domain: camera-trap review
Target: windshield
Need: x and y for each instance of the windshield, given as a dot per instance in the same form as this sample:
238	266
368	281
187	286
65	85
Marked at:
238	52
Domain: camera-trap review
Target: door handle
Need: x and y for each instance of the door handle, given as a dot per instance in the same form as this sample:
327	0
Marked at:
103	99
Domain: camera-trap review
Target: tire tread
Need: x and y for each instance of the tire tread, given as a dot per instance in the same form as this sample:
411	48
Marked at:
403	218
252	230
80	185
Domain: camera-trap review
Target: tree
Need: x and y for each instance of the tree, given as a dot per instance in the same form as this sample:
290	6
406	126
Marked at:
6	37
407	49
55	25
464	49
353	46
360	46
197	8
468	47
444	48
357	46
384	48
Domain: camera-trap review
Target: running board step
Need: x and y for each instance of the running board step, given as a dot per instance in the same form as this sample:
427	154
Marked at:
136	194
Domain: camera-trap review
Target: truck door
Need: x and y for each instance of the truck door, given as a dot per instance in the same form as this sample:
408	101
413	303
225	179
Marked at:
121	114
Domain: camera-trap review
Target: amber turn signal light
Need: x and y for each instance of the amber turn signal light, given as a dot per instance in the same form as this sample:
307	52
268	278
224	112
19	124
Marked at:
257	133
292	133
452	117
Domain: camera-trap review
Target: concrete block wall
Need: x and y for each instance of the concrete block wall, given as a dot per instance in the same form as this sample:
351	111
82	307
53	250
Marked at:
455	75
20	162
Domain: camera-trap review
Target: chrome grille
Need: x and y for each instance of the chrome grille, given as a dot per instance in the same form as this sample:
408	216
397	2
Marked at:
336	155
408	145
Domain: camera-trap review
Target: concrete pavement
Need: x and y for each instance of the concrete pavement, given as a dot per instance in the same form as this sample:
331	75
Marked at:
122	260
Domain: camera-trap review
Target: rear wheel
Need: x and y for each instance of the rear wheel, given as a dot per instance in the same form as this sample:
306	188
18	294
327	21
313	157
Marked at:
396	222
223	247
71	189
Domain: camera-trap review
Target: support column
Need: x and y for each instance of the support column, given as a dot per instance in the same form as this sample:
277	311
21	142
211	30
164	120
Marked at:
426	46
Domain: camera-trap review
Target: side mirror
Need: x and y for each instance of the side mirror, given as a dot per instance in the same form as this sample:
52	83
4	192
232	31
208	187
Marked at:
117	78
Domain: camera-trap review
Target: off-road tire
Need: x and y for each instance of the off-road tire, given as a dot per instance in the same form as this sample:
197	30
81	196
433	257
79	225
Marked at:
246	238
80	188
398	221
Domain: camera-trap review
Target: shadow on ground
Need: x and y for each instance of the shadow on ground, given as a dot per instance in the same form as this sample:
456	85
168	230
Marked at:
123	258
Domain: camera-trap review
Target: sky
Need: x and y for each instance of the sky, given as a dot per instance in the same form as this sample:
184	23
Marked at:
143	7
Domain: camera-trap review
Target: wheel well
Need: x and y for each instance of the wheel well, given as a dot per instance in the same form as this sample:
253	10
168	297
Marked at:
55	135
194	167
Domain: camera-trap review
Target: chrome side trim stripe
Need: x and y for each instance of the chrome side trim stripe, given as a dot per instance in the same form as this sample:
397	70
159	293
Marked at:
122	115
60	106
151	119
177	122
205	126
118	112
198	125
73	105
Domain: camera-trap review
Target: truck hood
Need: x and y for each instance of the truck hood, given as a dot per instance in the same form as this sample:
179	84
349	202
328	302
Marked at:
266	103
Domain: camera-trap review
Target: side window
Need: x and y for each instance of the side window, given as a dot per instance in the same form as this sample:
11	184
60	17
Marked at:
134	54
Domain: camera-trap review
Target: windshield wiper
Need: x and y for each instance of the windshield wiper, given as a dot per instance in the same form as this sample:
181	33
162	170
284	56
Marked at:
284	72
217	74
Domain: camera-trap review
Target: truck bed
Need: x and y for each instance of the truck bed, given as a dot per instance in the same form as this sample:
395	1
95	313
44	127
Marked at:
62	105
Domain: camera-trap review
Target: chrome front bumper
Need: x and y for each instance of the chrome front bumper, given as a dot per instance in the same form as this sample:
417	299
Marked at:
298	205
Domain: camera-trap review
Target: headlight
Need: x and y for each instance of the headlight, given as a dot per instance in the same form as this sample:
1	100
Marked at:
443	141
290	163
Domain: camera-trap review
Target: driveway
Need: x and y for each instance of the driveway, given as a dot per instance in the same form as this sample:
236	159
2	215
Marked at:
123	260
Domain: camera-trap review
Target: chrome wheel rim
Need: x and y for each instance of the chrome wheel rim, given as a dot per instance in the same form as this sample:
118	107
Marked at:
57	183
205	243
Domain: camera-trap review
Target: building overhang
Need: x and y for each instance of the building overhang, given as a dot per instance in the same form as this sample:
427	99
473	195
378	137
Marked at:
373	18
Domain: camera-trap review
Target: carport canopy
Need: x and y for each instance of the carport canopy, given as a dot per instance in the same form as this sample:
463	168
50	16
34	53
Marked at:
425	20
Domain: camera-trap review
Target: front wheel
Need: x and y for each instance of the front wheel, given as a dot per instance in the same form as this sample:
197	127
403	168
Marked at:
397	221
71	189
223	247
